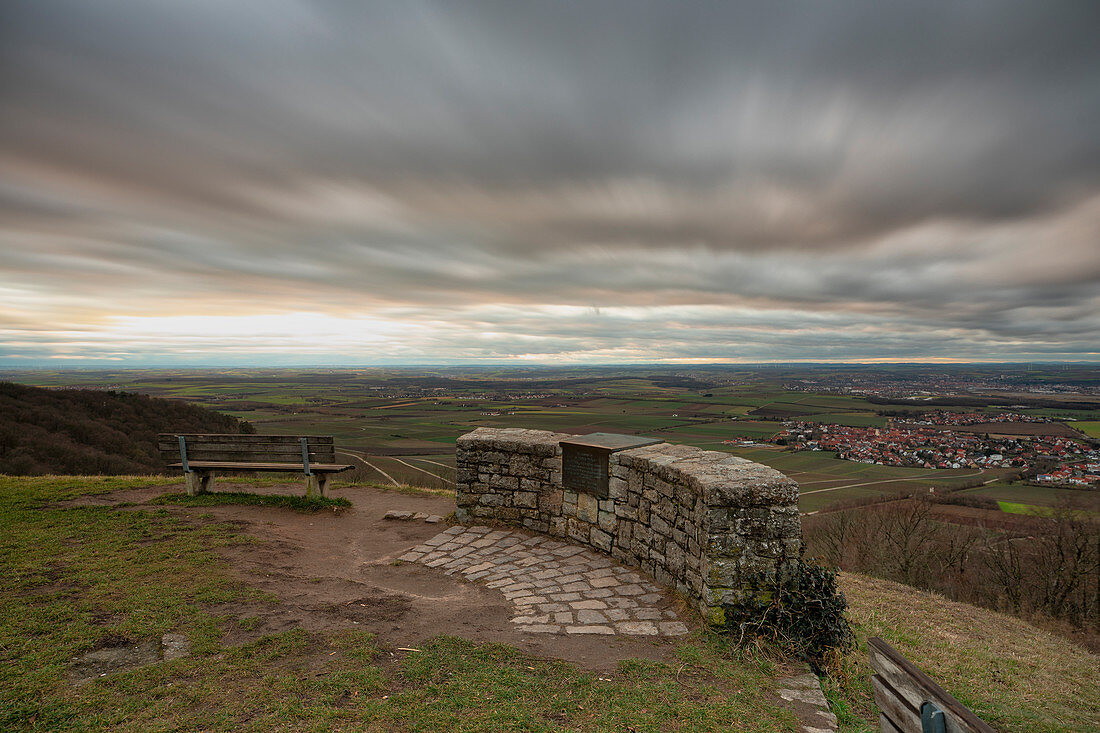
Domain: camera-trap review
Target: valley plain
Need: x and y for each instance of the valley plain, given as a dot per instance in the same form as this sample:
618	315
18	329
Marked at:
398	426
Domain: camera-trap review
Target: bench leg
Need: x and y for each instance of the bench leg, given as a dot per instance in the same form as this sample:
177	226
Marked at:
315	485
199	482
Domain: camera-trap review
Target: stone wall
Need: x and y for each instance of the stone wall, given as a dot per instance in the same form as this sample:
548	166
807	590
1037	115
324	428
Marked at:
718	528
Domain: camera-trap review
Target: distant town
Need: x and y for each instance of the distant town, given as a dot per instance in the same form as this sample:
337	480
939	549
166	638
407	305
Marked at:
927	440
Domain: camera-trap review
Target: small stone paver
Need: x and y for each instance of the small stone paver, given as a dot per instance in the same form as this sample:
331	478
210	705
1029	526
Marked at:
553	587
806	689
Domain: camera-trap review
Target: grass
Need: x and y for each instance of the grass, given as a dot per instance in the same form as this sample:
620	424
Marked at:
1037	495
77	577
1012	507
81	577
1016	677
297	503
1090	428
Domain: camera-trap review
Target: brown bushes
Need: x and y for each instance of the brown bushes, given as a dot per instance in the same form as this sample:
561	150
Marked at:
1042	568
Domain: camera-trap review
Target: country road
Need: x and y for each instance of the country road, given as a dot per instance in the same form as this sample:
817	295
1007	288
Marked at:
422	470
368	464
885	481
360	458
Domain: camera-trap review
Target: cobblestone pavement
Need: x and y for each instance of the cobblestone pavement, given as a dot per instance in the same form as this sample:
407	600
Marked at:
555	587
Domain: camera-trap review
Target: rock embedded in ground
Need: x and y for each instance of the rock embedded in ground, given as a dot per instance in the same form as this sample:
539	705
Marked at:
396	514
805	690
174	646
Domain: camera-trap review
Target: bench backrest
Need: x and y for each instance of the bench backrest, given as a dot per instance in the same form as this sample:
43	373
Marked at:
247	448
910	701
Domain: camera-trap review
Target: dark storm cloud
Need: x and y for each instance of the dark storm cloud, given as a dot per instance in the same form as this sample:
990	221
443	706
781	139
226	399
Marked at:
925	175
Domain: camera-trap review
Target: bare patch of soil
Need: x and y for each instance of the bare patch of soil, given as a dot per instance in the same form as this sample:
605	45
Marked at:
118	655
336	571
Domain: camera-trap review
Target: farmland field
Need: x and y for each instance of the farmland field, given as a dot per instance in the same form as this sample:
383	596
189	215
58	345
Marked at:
1046	496
1090	428
398	426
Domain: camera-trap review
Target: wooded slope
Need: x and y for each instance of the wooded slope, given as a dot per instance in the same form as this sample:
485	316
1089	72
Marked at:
91	432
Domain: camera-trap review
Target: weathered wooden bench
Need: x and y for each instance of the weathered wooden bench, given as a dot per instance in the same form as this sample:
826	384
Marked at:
200	456
910	701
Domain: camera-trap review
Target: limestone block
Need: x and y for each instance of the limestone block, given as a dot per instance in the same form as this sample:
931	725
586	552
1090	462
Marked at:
607	521
550	501
557	526
659	525
662	576
507	483
626	512
528	499
674	557
600	539
587	508
623	534
536	525
723	572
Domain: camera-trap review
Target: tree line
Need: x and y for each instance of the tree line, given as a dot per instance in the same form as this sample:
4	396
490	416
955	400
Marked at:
91	432
1042	568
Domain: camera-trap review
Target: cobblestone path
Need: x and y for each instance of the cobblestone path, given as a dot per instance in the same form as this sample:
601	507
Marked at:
555	587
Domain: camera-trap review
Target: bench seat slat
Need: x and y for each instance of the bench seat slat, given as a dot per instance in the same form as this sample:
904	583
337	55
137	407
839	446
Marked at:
251	466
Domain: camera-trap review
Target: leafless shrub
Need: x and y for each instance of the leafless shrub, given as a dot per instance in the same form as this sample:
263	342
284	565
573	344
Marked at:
1042	567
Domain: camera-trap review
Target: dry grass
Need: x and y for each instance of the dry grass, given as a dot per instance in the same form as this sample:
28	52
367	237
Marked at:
1013	675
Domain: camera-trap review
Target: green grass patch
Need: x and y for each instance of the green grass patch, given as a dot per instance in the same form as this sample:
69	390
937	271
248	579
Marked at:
1049	496
1090	428
1012	507
78	577
219	498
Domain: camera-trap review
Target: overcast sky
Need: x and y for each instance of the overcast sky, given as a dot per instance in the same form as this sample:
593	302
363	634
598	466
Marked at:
277	182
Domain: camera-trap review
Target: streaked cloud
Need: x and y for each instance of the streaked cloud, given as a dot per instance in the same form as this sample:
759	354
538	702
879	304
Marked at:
609	181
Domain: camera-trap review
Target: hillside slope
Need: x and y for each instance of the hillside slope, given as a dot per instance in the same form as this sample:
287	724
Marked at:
1015	676
76	431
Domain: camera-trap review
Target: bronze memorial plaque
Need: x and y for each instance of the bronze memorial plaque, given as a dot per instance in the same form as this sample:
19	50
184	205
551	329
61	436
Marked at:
584	465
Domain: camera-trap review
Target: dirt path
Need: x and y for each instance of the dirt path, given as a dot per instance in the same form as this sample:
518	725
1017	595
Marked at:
333	571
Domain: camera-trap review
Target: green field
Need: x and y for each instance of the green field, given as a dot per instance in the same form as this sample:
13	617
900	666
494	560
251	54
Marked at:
1090	428
397	425
1038	496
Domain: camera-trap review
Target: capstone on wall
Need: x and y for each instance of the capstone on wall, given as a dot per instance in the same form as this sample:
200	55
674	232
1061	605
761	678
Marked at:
718	528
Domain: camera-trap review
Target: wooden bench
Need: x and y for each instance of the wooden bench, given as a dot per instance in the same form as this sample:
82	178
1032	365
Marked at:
910	701
201	455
